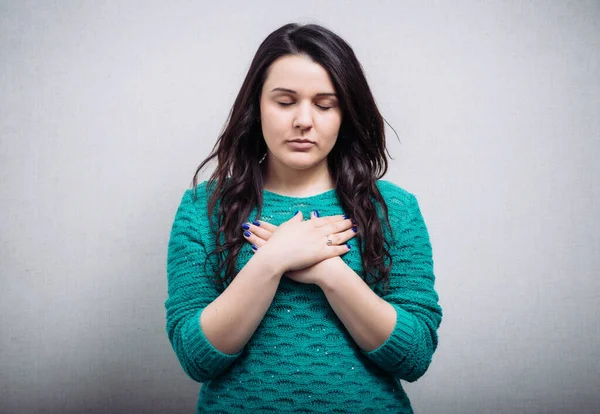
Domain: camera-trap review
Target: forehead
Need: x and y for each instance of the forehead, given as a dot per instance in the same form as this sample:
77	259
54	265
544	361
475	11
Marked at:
299	73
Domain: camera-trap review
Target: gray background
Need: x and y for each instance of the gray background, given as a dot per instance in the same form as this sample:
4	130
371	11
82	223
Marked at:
108	107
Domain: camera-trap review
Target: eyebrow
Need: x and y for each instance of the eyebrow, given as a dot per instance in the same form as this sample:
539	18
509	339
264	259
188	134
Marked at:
295	93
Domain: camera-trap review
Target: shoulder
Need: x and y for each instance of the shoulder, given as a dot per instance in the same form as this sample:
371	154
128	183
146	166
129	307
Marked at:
193	206
398	199
191	220
403	207
197	197
404	210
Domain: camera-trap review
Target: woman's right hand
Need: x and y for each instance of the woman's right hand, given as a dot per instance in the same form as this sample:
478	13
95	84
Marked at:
298	243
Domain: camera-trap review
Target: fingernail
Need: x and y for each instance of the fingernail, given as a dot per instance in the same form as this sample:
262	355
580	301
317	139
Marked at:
256	223
254	247
316	213
246	226
345	217
297	211
246	233
347	244
354	228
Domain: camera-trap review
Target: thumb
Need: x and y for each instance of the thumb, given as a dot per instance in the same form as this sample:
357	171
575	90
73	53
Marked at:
297	216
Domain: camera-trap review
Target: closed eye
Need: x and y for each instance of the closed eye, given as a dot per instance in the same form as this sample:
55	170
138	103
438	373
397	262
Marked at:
325	108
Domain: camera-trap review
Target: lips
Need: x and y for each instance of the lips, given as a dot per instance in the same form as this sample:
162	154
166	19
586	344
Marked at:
303	141
301	144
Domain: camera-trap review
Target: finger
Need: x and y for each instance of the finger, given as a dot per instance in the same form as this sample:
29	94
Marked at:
265	225
333	251
336	227
322	221
255	247
258	229
297	217
344	236
254	240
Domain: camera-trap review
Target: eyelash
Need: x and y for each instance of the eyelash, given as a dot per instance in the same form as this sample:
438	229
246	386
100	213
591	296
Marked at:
325	108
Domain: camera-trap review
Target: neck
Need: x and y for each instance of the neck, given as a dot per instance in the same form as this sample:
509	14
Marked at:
297	183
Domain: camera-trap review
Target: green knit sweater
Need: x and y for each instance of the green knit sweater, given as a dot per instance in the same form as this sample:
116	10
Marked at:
301	358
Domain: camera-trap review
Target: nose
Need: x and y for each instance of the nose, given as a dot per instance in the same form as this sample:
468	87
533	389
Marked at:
303	116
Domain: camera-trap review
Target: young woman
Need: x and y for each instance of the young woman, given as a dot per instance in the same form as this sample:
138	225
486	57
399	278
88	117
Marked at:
298	279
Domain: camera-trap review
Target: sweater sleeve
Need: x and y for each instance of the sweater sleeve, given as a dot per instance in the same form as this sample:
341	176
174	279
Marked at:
190	290
408	351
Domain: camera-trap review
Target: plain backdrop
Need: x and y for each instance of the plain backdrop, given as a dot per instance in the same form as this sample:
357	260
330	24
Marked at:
108	107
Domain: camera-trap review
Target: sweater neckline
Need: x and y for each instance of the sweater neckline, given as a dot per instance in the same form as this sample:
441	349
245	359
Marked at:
285	198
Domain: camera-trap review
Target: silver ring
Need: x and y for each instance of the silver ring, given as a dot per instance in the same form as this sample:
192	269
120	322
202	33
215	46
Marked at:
329	241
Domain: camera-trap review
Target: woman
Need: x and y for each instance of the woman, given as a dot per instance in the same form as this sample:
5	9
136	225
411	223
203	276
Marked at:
298	280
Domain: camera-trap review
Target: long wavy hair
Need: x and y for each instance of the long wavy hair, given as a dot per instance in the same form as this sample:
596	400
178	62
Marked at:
356	161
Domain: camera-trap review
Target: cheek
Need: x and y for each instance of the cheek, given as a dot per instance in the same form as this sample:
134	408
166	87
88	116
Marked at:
330	127
273	119
331	143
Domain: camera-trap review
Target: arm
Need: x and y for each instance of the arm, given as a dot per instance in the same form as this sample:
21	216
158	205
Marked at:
397	331
206	328
368	318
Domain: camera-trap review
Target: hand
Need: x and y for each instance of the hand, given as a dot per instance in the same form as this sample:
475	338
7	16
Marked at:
316	273
313	274
301	244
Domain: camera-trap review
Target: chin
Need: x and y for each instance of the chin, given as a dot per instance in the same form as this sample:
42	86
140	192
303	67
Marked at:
300	163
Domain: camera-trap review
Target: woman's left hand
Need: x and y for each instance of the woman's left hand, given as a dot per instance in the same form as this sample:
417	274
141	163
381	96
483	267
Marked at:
259	235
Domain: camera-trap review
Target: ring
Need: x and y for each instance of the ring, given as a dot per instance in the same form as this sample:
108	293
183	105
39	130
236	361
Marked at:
329	241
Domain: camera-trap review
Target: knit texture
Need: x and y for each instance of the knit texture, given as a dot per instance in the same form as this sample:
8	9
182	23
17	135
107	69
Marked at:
301	358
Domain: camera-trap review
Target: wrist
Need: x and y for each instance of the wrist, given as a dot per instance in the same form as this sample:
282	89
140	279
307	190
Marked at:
332	270
270	261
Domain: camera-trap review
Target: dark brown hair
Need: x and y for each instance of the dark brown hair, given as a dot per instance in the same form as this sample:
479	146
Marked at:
356	161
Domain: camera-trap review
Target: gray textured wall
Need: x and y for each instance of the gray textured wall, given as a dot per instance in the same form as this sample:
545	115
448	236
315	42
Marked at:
108	107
